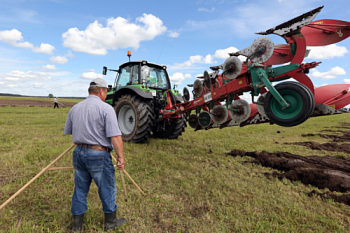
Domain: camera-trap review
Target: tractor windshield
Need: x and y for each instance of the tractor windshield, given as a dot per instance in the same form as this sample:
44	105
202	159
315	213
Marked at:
154	77
128	76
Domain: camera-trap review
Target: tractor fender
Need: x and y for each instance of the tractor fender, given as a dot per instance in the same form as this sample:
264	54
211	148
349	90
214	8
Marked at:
178	98
133	91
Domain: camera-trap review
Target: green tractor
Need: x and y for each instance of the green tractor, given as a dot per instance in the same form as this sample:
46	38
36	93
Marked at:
139	96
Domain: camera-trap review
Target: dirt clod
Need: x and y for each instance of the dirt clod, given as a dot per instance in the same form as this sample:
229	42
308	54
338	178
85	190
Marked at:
345	137
331	146
343	198
322	172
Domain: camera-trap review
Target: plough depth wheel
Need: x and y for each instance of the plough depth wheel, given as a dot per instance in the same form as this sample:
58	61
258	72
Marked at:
300	102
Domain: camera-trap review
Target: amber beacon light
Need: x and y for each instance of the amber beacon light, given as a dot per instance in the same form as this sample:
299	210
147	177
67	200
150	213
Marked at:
129	55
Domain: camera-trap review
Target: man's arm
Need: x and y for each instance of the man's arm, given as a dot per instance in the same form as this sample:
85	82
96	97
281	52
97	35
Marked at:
117	143
68	126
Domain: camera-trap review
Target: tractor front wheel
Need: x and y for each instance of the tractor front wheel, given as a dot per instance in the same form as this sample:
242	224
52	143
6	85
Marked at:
301	104
135	118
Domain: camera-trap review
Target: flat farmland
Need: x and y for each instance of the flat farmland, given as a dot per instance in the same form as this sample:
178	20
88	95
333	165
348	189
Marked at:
238	179
35	102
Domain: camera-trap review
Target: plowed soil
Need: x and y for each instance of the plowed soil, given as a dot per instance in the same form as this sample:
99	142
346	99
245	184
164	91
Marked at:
33	103
319	171
331	146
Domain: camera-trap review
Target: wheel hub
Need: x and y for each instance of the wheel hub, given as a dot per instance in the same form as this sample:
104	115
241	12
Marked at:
126	119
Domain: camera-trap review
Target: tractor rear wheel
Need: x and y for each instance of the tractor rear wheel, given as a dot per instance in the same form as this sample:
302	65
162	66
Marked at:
135	118
300	102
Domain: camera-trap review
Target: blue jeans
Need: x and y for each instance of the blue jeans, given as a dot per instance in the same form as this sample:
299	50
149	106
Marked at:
97	165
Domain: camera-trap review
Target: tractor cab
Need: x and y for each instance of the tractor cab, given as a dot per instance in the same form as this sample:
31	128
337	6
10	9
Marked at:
137	73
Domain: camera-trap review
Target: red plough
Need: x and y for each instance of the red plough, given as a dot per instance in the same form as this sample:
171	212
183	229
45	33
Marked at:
216	100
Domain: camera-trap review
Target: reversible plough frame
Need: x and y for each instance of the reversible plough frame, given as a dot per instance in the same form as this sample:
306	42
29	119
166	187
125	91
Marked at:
285	103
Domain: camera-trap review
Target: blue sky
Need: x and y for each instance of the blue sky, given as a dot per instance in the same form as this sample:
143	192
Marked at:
58	46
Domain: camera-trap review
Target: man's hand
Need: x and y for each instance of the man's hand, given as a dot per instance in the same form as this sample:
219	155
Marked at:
120	163
117	142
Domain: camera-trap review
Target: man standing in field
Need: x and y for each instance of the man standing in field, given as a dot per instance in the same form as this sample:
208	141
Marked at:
56	103
95	131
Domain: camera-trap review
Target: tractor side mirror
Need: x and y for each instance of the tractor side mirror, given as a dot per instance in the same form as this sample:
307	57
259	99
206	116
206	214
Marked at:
109	87
175	86
104	71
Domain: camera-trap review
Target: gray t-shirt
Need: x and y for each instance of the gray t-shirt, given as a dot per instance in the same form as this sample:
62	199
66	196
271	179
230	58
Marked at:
92	122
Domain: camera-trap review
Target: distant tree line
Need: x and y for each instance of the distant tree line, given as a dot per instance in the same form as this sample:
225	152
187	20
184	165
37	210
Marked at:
17	95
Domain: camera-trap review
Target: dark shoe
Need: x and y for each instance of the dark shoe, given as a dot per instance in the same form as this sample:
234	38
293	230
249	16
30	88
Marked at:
77	223
111	221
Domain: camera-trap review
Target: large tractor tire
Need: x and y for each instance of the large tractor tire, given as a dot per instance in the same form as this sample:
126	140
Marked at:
301	103
135	118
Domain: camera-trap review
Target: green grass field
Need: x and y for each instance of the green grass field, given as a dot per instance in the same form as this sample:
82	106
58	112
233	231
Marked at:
190	183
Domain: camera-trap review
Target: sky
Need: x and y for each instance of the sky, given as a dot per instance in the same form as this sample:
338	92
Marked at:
58	46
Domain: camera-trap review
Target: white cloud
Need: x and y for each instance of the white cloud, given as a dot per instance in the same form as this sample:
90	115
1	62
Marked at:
59	60
347	81
14	37
11	85
223	53
44	48
11	37
49	67
63	84
37	85
209	59
90	75
69	54
246	96
92	70
118	33
173	34
207	10
177	77
327	52
21	76
11	79
197	59
329	74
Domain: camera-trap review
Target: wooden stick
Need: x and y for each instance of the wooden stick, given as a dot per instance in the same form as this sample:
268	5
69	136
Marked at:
124	187
59	168
129	176
123	181
39	174
133	182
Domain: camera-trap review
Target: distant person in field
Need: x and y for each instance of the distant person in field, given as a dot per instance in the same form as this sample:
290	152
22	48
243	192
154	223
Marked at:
94	126
56	103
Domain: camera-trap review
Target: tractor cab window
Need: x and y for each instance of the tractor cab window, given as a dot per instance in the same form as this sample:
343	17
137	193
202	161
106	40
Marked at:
128	76
154	77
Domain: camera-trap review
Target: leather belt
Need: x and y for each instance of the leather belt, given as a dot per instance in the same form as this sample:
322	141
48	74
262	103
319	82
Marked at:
94	147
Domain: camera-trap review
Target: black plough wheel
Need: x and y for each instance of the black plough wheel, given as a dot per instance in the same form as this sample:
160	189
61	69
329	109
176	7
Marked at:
301	103
311	96
173	128
135	118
